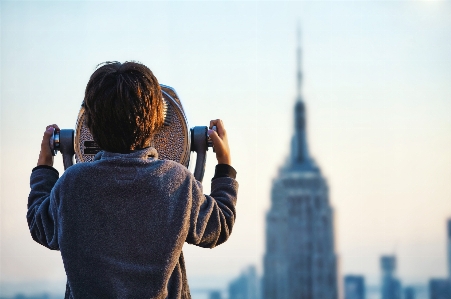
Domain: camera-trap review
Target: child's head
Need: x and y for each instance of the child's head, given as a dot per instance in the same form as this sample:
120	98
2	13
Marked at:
124	106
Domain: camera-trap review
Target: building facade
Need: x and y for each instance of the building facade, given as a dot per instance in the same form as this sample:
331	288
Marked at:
246	286
409	293
354	287
300	260
214	295
439	288
449	247
391	286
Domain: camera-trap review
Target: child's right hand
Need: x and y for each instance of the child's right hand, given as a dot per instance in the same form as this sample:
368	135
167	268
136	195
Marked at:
220	142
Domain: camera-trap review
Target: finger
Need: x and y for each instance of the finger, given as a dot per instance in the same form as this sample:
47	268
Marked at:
52	126
213	123
49	131
220	128
214	137
47	134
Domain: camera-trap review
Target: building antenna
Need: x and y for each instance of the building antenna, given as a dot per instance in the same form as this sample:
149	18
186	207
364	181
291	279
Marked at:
395	248
298	64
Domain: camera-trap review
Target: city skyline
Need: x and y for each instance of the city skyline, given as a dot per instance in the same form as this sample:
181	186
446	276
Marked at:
376	84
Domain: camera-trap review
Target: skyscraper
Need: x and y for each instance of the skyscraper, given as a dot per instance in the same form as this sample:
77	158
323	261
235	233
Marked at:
391	286
354	287
409	293
245	286
439	288
449	248
214	295
300	260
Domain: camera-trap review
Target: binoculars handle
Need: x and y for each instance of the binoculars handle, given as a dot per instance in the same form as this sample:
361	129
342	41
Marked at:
199	144
63	141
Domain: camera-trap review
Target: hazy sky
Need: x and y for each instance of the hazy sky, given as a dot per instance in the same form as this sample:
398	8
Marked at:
377	84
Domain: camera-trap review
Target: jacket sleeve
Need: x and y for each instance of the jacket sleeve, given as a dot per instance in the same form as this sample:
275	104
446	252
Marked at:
41	215
212	216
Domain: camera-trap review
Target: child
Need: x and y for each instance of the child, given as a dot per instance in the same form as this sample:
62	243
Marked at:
120	222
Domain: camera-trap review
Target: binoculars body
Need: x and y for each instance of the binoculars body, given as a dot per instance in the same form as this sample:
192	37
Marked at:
174	141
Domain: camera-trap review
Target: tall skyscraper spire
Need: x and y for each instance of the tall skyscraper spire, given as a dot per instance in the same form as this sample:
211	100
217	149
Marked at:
299	151
298	64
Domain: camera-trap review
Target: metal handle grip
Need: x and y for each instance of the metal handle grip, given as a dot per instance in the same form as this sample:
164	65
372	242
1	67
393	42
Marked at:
200	146
63	141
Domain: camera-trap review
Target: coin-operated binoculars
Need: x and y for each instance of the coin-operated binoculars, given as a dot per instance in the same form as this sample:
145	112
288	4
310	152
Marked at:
175	141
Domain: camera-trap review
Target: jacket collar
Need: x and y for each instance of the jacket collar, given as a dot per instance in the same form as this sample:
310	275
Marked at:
145	153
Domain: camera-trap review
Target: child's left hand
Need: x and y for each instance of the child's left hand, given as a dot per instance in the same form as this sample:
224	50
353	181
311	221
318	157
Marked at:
45	156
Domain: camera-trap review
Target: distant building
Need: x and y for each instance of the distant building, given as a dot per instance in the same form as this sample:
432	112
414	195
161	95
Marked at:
354	287
449	248
300	260
409	293
42	296
440	289
391	286
215	295
246	286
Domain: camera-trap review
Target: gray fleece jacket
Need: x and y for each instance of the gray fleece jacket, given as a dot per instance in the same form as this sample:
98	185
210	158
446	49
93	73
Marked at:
120	223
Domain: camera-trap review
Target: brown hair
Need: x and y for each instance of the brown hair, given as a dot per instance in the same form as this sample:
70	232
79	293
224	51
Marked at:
124	106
